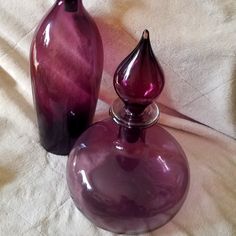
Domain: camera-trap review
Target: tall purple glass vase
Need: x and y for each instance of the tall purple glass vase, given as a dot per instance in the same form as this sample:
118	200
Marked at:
125	174
66	68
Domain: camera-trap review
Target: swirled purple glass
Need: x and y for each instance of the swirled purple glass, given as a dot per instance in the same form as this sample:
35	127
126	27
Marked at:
66	69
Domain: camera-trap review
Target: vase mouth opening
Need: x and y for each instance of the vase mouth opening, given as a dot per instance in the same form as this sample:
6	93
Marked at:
124	117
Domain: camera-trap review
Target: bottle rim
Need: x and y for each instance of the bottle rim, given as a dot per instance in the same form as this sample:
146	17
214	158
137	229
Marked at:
121	116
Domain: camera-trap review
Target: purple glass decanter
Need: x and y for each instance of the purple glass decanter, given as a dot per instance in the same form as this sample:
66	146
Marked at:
66	68
125	174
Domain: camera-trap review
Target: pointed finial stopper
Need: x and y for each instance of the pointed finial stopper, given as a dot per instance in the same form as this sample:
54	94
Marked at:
139	78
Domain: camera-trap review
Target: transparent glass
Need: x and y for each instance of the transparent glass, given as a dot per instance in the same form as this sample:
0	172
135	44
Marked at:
66	68
126	174
125	186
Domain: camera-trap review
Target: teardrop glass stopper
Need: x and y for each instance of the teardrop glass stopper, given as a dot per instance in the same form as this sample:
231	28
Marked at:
139	79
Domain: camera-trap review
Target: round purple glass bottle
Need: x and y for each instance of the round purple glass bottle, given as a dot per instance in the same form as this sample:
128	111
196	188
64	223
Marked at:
66	68
126	174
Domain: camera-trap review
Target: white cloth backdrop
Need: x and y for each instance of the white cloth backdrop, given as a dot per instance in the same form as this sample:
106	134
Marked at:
195	41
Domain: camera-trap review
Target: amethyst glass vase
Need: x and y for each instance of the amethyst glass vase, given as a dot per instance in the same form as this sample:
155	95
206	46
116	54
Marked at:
126	174
66	68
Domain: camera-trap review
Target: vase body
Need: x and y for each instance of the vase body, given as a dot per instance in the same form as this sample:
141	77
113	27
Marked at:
127	180
66	68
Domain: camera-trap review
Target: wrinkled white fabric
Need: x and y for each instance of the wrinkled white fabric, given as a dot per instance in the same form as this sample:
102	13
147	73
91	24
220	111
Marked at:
195	41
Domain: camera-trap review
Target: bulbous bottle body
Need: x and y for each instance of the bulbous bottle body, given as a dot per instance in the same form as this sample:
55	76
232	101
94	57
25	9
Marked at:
66	68
127	181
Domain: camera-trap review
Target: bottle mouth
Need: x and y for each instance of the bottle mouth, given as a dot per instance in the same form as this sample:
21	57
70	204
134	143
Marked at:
71	5
124	117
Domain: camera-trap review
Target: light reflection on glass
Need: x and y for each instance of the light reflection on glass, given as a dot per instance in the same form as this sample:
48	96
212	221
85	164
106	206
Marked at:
119	147
127	72
85	180
82	145
36	63
149	90
164	165
46	34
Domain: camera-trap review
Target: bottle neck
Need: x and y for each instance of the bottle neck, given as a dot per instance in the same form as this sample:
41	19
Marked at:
72	5
132	135
125	117
133	123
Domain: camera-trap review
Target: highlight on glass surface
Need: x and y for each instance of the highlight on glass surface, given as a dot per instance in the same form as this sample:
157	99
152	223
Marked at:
127	174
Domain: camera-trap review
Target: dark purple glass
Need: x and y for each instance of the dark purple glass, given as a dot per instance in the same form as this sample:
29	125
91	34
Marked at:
139	78
66	69
125	174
